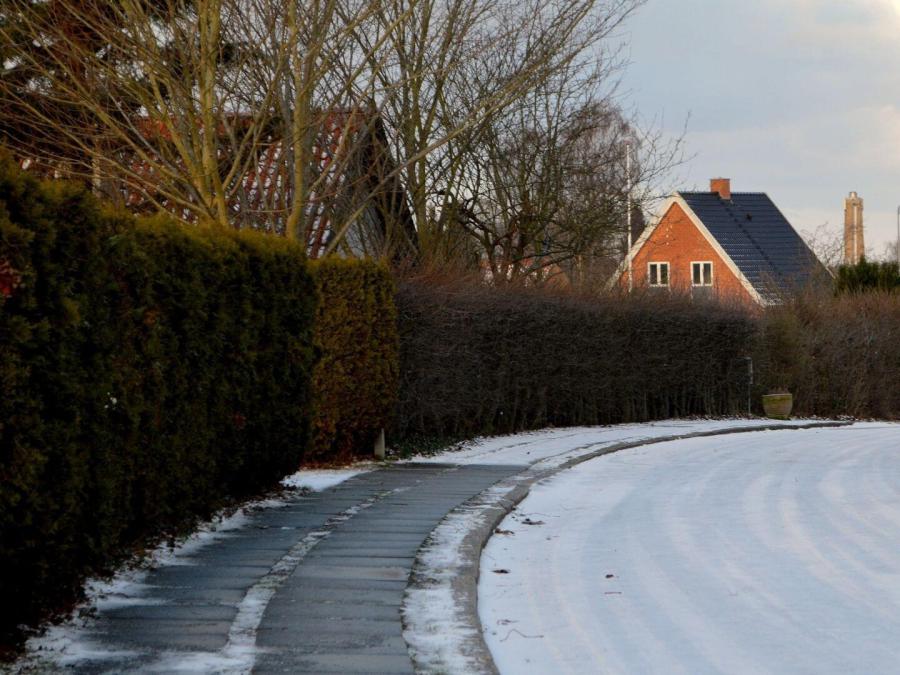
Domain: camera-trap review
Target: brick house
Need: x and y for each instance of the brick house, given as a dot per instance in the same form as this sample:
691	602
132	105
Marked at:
736	245
352	169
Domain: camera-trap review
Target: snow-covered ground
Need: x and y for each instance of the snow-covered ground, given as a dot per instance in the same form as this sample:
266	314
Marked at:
764	552
553	447
322	479
437	626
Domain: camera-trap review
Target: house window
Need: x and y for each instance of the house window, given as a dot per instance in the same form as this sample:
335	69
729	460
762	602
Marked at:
658	273
701	274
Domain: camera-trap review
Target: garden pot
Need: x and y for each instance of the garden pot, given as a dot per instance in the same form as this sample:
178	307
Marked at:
778	406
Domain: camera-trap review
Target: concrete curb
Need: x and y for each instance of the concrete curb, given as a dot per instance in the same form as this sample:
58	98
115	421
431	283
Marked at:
494	508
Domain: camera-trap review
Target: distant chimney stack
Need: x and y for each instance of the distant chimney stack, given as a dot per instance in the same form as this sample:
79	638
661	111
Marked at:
854	243
722	186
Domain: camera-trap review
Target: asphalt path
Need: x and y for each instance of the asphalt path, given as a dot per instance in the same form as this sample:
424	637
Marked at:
315	586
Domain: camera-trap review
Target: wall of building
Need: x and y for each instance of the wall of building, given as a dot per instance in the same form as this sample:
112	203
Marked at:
677	241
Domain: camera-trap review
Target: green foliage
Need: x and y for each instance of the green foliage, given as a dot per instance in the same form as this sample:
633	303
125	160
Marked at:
867	276
148	373
355	381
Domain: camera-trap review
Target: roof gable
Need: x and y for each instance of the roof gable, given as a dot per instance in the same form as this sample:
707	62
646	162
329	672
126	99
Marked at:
757	237
676	201
354	179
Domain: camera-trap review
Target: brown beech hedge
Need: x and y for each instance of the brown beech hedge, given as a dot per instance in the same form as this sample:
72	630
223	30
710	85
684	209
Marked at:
476	361
838	355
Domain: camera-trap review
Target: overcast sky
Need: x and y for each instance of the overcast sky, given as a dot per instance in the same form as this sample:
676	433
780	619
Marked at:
796	98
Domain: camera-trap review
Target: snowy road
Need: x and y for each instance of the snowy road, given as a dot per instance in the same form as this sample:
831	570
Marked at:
766	552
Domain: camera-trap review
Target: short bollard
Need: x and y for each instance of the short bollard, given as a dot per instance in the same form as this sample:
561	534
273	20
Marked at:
379	445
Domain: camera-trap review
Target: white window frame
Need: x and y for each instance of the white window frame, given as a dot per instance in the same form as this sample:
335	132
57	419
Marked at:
712	276
659	264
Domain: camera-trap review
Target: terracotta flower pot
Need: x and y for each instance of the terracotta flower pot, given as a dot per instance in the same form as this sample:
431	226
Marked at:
778	406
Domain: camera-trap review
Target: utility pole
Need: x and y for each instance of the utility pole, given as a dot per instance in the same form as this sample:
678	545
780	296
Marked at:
898	236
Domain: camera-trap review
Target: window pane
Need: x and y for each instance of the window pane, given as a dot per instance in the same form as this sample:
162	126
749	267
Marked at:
653	275
707	274
695	271
664	274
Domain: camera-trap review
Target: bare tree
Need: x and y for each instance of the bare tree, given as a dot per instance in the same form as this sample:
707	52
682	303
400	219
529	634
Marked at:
542	186
281	114
458	67
175	104
827	244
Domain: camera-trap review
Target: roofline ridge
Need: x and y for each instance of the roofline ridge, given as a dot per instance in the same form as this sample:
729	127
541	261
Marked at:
708	192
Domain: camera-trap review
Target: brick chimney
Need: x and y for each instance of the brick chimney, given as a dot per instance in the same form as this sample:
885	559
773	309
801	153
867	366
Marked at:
722	186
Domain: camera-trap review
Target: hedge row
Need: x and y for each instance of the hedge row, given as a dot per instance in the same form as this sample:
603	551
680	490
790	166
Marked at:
866	277
483	361
355	380
150	372
837	355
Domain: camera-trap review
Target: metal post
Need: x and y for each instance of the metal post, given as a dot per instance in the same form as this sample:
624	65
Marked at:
749	385
379	445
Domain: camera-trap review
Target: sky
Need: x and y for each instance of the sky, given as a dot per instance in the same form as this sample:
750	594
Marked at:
796	98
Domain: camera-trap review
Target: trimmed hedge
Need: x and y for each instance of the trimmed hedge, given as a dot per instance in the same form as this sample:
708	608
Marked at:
148	373
867	277
355	380
836	355
479	361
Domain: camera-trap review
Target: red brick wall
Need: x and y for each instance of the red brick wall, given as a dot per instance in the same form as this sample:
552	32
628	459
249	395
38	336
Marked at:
677	241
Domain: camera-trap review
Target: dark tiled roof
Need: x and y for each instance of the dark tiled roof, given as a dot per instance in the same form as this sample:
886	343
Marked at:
758	238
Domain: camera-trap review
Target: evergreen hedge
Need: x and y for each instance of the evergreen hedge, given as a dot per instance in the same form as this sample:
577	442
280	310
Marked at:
148	372
867	277
355	380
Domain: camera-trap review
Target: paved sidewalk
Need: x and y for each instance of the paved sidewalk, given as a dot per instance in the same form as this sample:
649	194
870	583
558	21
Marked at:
314	586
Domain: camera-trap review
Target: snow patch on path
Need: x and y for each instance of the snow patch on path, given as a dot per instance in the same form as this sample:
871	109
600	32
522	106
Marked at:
437	627
555	446
318	480
70	642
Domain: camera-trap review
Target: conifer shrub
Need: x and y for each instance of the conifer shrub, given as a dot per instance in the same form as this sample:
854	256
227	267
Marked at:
355	379
149	373
868	277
